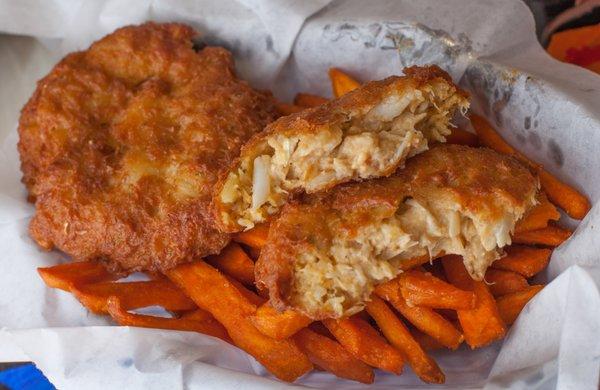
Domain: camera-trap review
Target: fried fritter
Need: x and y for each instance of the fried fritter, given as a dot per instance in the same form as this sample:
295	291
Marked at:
364	134
121	146
324	255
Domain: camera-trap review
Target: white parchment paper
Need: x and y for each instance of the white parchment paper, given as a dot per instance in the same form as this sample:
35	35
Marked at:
549	110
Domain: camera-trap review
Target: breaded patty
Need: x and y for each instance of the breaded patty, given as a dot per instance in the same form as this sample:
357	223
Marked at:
364	134
325	254
121	146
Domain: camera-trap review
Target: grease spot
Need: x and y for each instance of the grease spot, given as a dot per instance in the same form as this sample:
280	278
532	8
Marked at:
269	43
556	153
347	26
535	123
535	378
521	138
126	362
535	140
527	123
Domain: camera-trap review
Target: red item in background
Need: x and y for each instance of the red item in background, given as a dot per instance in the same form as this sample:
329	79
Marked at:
579	46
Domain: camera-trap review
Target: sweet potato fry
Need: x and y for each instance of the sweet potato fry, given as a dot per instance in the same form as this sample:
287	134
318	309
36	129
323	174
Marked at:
287	109
365	343
459	136
504	282
548	236
331	356
524	260
423	289
424	318
64	276
538	217
426	342
233	261
279	325
511	305
307	100
483	324
213	292
414	262
564	196
341	83
121	316
255	237
132	295
398	335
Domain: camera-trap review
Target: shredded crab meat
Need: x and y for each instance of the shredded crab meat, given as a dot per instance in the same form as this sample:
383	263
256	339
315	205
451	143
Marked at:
341	280
371	145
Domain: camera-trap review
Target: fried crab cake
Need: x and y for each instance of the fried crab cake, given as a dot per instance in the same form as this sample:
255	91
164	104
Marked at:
324	256
366	133
121	146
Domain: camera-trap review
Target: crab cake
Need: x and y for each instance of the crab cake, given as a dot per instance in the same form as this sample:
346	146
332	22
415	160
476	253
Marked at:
366	133
121	146
324	255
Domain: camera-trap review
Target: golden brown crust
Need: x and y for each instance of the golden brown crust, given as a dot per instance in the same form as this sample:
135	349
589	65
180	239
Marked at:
331	114
482	181
121	145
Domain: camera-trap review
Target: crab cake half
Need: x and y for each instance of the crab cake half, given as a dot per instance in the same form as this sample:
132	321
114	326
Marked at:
121	146
366	133
324	256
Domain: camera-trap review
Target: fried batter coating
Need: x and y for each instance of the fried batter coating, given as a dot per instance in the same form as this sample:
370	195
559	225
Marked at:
364	134
324	255
121	146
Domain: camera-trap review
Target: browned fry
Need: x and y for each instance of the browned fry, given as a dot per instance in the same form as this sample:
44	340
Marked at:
462	137
64	276
524	260
331	356
279	325
538	217
287	109
483	324
234	262
132	295
510	305
255	237
208	326
213	292
423	289
361	340
424	318
398	335
548	236
504	282
561	194
427	342
307	100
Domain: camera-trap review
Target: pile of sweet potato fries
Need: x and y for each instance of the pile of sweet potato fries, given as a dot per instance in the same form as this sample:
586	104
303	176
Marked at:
432	305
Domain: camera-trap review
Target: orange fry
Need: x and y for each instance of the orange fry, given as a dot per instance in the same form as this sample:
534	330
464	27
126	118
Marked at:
279	325
132	295
341	83
362	340
459	136
564	196
524	260
331	356
538	217
209	326
398	335
548	236
287	109
424	318
423	289
483	324
213	292
307	100
255	237
504	282
414	262
234	262
510	305
64	276
427	342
